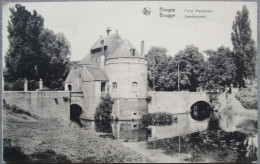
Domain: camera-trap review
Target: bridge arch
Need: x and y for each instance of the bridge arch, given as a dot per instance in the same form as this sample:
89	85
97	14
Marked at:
75	112
200	110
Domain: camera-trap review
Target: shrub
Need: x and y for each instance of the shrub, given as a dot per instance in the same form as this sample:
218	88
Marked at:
104	109
13	153
248	98
158	118
49	155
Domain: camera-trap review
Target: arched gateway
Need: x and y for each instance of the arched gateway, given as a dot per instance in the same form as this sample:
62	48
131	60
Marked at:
75	112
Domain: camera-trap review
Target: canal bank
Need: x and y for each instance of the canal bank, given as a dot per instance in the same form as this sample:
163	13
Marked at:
234	107
217	139
52	140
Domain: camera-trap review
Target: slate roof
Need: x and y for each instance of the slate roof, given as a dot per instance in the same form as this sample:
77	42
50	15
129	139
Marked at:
123	48
97	73
107	41
87	60
74	72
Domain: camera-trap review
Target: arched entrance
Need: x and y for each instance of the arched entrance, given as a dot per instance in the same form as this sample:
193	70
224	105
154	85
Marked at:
75	112
200	110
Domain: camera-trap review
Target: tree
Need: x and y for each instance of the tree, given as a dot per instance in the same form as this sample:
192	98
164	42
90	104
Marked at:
220	69
35	52
157	68
104	109
24	30
243	47
55	54
192	64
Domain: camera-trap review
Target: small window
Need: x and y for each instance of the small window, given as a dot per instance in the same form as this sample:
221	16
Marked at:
132	51
69	87
114	87
135	86
103	86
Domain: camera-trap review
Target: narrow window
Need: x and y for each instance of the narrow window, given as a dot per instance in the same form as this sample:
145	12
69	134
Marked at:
69	87
103	86
114	87
134	86
132	51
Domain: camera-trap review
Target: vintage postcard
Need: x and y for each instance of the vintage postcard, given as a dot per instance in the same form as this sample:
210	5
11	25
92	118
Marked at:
129	81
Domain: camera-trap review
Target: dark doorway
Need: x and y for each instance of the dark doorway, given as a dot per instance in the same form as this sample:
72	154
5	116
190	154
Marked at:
200	110
75	112
70	87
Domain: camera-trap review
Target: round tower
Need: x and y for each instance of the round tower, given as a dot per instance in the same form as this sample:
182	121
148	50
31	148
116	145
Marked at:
126	69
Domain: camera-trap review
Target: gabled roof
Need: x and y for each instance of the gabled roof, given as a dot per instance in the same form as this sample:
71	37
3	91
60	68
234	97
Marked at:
87	60
74	72
123	48
97	73
89	73
107	41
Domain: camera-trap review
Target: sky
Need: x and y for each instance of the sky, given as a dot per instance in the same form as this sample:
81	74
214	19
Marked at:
83	22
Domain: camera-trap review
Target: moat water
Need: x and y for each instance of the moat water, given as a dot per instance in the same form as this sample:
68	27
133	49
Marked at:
204	137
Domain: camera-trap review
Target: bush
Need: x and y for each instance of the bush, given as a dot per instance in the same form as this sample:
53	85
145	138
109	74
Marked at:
158	118
13	153
248	97
49	155
104	109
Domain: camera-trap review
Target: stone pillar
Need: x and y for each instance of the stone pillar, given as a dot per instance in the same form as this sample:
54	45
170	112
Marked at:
25	85
231	88
40	84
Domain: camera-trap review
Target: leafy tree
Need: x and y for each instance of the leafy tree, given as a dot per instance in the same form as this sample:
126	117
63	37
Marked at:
104	109
35	52
24	30
243	47
55	54
192	64
157	63
220	69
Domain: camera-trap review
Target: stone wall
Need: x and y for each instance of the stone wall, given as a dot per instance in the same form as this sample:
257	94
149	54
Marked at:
174	102
125	71
129	109
45	104
181	102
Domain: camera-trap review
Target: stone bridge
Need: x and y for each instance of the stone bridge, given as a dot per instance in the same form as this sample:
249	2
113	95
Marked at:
181	102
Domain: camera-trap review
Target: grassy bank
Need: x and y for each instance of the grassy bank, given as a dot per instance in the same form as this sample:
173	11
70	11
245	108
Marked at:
50	140
248	97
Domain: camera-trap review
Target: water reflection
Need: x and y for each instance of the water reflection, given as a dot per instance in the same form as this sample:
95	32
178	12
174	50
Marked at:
218	138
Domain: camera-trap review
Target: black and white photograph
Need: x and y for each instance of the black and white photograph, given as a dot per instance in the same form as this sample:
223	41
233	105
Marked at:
129	82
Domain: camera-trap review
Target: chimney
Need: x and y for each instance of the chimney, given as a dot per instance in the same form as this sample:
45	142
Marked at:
142	48
108	30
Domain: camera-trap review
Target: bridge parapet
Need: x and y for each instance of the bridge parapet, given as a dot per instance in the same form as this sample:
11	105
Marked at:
180	102
76	94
